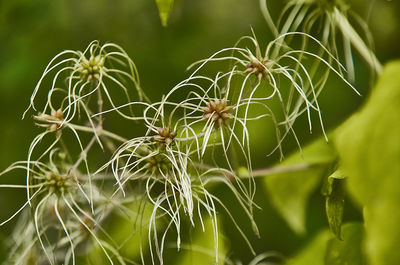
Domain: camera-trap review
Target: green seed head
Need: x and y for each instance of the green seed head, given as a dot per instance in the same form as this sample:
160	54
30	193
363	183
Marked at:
91	69
58	184
158	163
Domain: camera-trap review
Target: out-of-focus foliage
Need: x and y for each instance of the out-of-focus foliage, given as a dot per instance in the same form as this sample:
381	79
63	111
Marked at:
325	250
291	191
164	9
128	230
200	250
369	148
314	252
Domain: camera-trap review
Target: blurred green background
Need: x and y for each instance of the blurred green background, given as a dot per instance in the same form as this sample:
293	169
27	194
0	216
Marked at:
32	32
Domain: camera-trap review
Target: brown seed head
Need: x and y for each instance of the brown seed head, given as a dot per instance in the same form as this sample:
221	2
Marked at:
258	67
218	110
165	136
52	122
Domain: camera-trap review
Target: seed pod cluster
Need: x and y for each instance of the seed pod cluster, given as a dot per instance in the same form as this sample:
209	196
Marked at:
259	68
165	136
51	122
158	163
90	69
58	183
219	111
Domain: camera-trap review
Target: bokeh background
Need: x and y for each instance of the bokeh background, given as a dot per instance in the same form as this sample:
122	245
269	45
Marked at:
32	32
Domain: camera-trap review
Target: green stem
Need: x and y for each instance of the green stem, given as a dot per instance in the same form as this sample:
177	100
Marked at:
262	172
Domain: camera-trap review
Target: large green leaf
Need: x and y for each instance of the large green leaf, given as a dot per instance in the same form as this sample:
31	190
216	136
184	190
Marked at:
290	191
314	252
349	250
369	148
325	249
164	10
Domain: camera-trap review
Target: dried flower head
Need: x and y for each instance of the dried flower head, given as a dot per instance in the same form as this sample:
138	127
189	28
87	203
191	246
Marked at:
280	73
218	111
60	206
105	70
165	136
52	122
259	68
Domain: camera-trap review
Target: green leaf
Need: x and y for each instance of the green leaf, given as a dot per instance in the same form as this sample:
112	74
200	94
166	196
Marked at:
290	191
325	250
164	10
202	250
349	250
369	148
314	252
334	203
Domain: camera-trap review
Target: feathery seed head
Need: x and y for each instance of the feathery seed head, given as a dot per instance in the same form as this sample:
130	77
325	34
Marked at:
57	114
258	67
219	111
158	163
165	136
90	69
58	183
52	122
